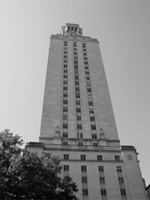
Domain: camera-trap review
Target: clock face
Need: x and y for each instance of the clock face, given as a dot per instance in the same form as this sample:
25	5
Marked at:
129	157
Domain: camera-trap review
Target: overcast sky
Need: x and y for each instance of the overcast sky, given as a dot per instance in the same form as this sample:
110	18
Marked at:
122	28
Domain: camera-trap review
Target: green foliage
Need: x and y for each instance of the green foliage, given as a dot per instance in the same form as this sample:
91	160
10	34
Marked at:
24	175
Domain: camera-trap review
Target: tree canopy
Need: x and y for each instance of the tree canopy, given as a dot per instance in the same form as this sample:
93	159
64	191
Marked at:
25	175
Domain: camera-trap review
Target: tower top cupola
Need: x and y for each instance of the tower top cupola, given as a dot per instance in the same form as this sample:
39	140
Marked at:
71	29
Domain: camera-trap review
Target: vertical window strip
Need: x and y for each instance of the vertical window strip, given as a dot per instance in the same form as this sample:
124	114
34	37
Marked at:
103	190
65	92
84	181
89	91
77	90
121	182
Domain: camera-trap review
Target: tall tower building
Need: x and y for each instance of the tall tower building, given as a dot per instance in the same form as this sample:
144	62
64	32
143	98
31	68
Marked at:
78	121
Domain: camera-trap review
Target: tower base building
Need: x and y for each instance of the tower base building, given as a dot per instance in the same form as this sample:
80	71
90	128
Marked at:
78	122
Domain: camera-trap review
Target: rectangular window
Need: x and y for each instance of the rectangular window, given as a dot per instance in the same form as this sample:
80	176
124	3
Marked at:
65	48
103	192
65	143
100	168
102	179
85	62
77	89
121	181
76	73
75	49
92	119
65	52
87	78
78	102
74	44
99	158
65	117
123	192
65	135
78	117
65	66
87	72
65	94
76	67
75	53
84	50
94	136
65	75
89	90
88	84
65	61
84	179
65	125
66	167
83	169
66	156
79	135
65	71
65	82
85	58
86	67
117	158
93	127
79	126
65	56
65	43
80	144
85	192
76	77
78	110
65	101
95	144
75	62
90	103
85	54
65	88
76	82
92	111
119	169
65	109
83	157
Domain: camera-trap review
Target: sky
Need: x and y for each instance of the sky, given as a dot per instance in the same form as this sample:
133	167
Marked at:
122	28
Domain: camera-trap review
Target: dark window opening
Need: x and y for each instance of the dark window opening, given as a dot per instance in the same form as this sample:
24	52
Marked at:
94	136
103	192
83	168
83	157
99	158
117	158
102	179
66	156
100	168
65	125
84	179
65	135
85	192
93	127
66	167
65	143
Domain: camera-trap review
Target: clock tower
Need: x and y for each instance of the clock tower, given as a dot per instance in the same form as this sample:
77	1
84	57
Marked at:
78	121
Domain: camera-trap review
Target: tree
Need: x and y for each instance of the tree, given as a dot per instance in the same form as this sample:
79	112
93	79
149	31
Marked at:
25	175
